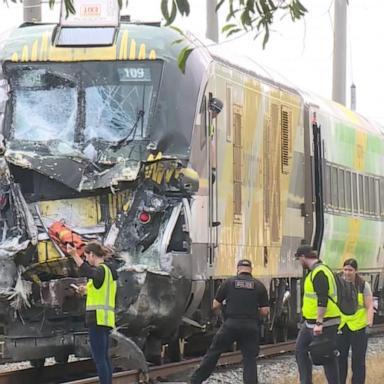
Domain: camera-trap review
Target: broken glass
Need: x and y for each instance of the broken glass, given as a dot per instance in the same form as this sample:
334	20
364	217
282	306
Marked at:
43	115
111	111
82	102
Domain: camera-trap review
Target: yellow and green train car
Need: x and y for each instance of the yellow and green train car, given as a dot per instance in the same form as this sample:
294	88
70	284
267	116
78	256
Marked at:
116	143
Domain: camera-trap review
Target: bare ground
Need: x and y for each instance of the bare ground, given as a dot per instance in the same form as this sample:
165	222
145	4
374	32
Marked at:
375	374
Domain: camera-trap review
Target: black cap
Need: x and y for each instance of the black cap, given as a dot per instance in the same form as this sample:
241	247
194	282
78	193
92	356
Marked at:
305	250
244	263
215	105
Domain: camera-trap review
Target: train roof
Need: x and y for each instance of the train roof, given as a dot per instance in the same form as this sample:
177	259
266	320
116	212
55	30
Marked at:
34	42
245	64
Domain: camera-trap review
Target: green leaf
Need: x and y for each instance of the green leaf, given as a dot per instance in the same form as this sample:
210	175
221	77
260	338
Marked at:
178	30
219	4
245	19
183	6
233	31
250	6
178	41
182	58
227	27
169	16
272	5
266	37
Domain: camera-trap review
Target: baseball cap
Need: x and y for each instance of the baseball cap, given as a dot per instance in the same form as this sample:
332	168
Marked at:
305	250
244	263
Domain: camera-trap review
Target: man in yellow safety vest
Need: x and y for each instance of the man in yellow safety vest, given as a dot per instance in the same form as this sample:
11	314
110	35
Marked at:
100	303
321	316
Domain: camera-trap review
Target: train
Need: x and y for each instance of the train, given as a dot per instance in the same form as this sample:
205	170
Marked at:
181	173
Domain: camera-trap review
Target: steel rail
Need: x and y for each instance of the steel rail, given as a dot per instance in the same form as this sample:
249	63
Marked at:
59	372
163	371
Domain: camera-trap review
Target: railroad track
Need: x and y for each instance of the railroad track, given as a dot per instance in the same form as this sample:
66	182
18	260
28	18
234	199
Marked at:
59	373
163	371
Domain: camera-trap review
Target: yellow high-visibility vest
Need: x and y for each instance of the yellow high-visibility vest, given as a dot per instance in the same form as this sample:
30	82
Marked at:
102	300
309	308
359	319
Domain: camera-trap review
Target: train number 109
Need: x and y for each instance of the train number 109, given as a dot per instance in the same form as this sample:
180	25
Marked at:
134	74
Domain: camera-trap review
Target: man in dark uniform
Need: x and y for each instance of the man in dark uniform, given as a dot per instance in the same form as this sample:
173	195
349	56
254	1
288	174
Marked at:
246	299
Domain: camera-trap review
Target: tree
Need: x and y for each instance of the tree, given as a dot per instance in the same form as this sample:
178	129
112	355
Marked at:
243	15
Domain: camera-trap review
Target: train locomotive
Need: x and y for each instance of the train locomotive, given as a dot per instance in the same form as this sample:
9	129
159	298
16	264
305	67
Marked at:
114	142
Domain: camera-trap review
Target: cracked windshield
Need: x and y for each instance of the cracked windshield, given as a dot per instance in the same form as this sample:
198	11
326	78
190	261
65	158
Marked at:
78	105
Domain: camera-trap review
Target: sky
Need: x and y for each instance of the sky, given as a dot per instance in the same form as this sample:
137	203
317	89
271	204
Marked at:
301	52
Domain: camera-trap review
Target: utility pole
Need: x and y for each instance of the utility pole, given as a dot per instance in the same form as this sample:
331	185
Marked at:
340	52
212	21
32	11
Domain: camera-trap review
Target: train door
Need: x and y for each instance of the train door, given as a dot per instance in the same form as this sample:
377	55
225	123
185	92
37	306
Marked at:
214	108
314	205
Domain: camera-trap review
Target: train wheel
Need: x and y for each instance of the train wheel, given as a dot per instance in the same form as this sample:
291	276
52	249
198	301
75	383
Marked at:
37	363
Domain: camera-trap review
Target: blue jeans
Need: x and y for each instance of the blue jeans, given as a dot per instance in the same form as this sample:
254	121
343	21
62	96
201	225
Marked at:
99	339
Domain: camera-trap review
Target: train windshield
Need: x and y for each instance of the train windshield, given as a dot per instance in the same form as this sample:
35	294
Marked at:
84	101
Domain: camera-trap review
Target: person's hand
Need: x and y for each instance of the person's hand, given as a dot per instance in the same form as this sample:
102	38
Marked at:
82	290
71	250
318	330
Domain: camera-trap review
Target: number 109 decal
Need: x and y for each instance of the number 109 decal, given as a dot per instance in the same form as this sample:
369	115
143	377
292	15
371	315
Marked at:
134	74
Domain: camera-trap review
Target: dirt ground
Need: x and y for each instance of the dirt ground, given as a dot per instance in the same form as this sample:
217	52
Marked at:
375	374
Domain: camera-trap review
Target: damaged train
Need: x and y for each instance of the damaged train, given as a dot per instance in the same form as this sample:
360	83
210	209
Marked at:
114	142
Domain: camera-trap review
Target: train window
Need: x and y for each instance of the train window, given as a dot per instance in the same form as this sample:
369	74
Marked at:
366	196
286	127
237	162
376	189
372	198
341	188
276	167
267	174
327	187
381	194
348	191
355	193
229	116
203	122
361	194
334	197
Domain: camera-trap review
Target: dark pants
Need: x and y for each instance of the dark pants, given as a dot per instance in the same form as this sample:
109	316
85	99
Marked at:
304	362
357	340
246	333
99	339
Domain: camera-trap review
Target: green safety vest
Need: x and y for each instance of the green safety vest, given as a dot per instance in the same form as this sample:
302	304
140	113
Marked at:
359	319
309	308
102	300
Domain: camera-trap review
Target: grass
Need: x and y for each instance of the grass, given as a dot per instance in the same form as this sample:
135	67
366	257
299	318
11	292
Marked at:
375	374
